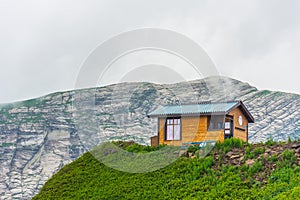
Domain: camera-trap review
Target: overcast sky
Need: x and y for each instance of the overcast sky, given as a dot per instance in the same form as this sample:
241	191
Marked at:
44	43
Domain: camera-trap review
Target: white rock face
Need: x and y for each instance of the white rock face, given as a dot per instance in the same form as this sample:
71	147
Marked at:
58	135
40	136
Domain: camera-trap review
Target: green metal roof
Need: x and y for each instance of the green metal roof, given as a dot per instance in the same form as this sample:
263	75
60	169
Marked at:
201	108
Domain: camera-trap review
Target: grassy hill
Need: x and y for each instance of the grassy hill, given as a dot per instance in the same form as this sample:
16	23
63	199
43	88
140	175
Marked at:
233	170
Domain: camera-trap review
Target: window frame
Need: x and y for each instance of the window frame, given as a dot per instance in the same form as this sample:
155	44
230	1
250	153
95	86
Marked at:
216	125
173	125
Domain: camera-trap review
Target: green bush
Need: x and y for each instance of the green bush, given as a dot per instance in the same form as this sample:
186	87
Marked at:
274	158
288	155
288	158
258	150
193	148
270	142
281	175
229	144
133	147
257	167
248	153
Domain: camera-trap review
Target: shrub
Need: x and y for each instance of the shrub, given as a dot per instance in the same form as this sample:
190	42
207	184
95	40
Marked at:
192	148
257	151
248	153
133	147
288	155
229	144
257	167
270	142
281	175
274	158
288	158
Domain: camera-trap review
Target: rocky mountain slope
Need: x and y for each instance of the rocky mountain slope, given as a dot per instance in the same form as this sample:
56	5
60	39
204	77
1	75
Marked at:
41	135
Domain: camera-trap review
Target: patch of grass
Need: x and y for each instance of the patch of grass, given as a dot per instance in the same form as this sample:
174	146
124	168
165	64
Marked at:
259	150
7	144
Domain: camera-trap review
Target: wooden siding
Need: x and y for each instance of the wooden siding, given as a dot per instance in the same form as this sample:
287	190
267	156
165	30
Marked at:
217	135
154	141
239	131
194	129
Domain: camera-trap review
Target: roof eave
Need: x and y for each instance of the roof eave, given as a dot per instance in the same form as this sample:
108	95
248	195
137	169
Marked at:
248	115
188	114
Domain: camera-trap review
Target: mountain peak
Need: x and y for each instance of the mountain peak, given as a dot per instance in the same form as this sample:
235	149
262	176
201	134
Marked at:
41	135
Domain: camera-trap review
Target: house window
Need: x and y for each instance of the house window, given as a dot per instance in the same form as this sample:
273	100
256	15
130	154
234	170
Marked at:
173	131
215	123
220	125
227	125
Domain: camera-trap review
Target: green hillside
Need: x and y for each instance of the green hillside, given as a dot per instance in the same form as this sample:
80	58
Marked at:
233	170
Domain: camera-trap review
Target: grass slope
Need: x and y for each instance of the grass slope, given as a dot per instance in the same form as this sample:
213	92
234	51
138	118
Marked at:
186	178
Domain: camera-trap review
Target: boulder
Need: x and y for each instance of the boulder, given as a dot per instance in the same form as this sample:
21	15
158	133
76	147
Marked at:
268	150
250	162
296	146
241	158
234	157
229	154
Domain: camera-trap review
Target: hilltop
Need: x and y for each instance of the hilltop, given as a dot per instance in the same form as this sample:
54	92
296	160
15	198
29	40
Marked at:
40	136
233	170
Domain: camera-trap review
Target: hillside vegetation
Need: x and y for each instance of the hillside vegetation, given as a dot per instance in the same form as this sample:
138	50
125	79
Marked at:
232	170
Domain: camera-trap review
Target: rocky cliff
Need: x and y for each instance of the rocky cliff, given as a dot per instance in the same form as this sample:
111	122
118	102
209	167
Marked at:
41	135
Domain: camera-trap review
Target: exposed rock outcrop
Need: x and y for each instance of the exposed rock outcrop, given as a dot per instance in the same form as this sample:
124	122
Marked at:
41	135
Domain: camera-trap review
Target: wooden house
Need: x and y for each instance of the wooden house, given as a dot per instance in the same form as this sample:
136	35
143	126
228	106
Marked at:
206	121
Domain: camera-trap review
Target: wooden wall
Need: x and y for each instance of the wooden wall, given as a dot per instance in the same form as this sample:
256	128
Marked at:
154	141
217	135
194	129
240	131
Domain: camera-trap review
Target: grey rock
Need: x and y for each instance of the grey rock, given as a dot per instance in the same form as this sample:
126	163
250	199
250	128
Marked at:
250	162
40	136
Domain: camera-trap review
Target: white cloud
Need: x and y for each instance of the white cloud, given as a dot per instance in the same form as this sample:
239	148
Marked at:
43	43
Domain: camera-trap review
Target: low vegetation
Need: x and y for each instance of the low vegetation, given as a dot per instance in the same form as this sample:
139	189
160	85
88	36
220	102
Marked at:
232	170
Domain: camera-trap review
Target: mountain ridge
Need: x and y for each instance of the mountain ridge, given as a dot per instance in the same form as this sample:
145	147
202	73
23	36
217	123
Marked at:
40	135
97	87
